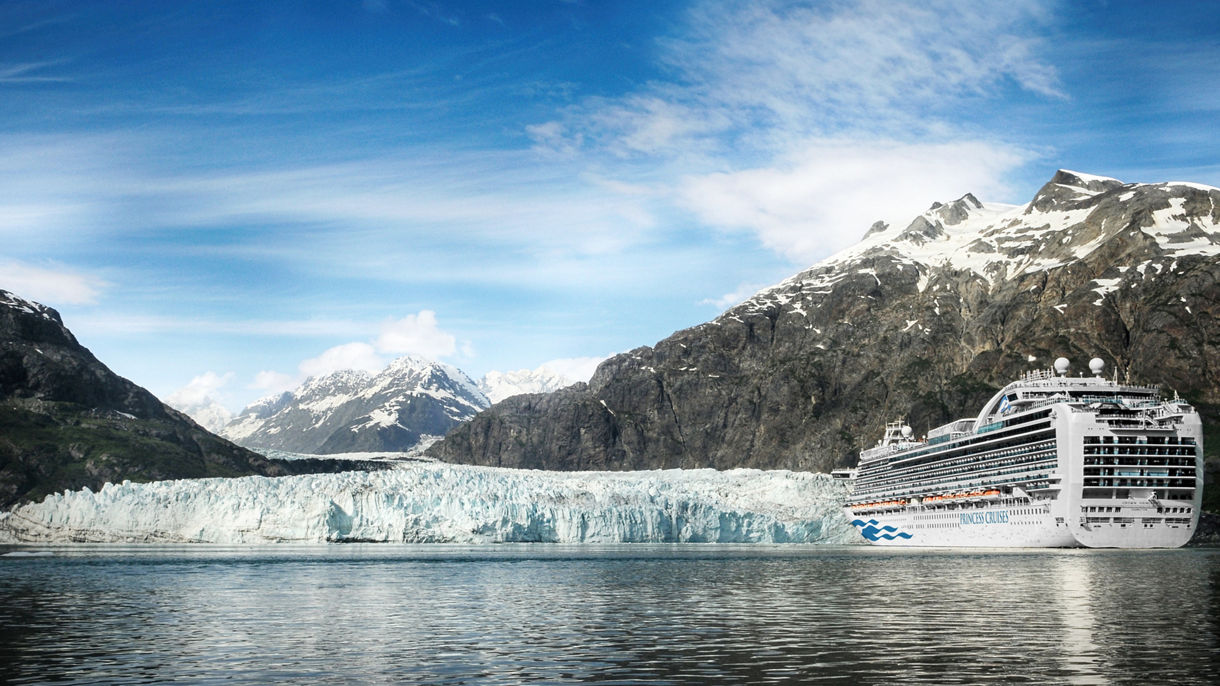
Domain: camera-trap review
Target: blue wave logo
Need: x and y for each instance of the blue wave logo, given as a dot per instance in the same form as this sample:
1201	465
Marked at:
873	532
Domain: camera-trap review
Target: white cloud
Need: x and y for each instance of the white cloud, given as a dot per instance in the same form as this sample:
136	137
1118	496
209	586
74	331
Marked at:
269	381
822	199
739	295
347	356
50	286
750	78
805	122
416	334
575	368
201	400
201	390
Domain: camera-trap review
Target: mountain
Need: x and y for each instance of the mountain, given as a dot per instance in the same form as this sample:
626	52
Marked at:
67	421
500	385
923	321
355	411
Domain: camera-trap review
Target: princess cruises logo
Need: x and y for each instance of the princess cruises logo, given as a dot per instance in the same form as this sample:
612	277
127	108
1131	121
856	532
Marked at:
872	531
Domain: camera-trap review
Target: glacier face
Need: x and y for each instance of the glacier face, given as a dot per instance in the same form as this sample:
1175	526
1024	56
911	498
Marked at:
432	502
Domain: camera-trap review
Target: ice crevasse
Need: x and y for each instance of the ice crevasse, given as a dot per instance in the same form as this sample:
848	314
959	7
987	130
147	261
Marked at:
434	502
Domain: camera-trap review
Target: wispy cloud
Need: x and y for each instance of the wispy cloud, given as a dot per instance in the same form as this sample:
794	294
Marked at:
738	295
490	196
201	390
821	198
50	284
31	72
787	119
576	368
116	323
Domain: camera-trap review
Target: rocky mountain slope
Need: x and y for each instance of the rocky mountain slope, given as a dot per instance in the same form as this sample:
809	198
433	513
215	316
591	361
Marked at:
923	322
355	411
67	421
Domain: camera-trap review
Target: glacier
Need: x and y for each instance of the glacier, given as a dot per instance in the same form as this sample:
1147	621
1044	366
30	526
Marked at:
434	502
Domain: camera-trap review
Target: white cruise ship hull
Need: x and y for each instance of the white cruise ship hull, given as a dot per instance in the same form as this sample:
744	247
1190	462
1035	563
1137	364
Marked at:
1049	462
1011	526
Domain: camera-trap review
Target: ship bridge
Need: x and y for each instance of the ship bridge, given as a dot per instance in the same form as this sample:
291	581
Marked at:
1046	387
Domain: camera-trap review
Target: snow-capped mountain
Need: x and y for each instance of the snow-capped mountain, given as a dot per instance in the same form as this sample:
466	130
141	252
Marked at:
1070	219
922	321
500	385
354	411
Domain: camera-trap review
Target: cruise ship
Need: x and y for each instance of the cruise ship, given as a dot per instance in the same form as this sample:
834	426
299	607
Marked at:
1051	461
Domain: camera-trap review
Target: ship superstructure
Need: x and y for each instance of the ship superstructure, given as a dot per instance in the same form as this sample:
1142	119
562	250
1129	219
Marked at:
1052	460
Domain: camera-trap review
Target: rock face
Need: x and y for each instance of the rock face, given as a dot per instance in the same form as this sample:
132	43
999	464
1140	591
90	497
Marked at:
66	421
354	411
923	322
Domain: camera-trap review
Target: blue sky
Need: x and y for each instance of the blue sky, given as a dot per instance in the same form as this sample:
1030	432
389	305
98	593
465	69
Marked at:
229	196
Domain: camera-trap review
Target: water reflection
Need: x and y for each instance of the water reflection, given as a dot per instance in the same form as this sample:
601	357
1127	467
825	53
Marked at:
1074	596
617	614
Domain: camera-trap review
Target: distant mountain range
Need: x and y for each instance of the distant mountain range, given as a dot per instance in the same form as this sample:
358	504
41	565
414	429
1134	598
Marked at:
355	411
67	421
500	385
922	322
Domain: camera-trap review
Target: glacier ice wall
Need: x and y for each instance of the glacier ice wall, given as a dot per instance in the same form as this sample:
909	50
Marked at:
436	502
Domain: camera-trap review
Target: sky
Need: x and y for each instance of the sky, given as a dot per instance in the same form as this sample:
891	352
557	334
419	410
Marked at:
223	198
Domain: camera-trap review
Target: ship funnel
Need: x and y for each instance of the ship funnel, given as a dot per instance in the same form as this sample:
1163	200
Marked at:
1062	365
1097	365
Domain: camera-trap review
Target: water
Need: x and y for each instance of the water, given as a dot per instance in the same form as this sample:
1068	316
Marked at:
683	614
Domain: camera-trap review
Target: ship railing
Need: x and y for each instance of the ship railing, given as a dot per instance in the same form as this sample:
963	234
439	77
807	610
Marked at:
1038	375
883	450
1040	471
1164	410
1017	460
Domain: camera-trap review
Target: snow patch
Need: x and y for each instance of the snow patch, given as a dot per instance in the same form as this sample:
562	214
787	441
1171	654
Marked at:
1105	287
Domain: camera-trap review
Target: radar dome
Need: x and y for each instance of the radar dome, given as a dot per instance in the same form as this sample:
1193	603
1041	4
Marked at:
1096	365
906	431
1062	365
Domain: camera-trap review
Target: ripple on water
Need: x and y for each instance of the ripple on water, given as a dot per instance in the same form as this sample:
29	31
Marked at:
619	614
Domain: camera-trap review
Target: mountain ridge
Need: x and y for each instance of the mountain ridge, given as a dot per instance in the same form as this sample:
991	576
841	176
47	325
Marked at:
349	410
922	321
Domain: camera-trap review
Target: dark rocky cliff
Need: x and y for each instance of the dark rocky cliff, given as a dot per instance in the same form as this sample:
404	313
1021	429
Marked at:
923	322
67	421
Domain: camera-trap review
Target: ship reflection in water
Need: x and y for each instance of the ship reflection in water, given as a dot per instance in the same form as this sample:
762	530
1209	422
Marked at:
680	614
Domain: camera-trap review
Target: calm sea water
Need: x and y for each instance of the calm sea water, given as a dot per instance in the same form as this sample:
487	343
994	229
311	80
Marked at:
693	614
